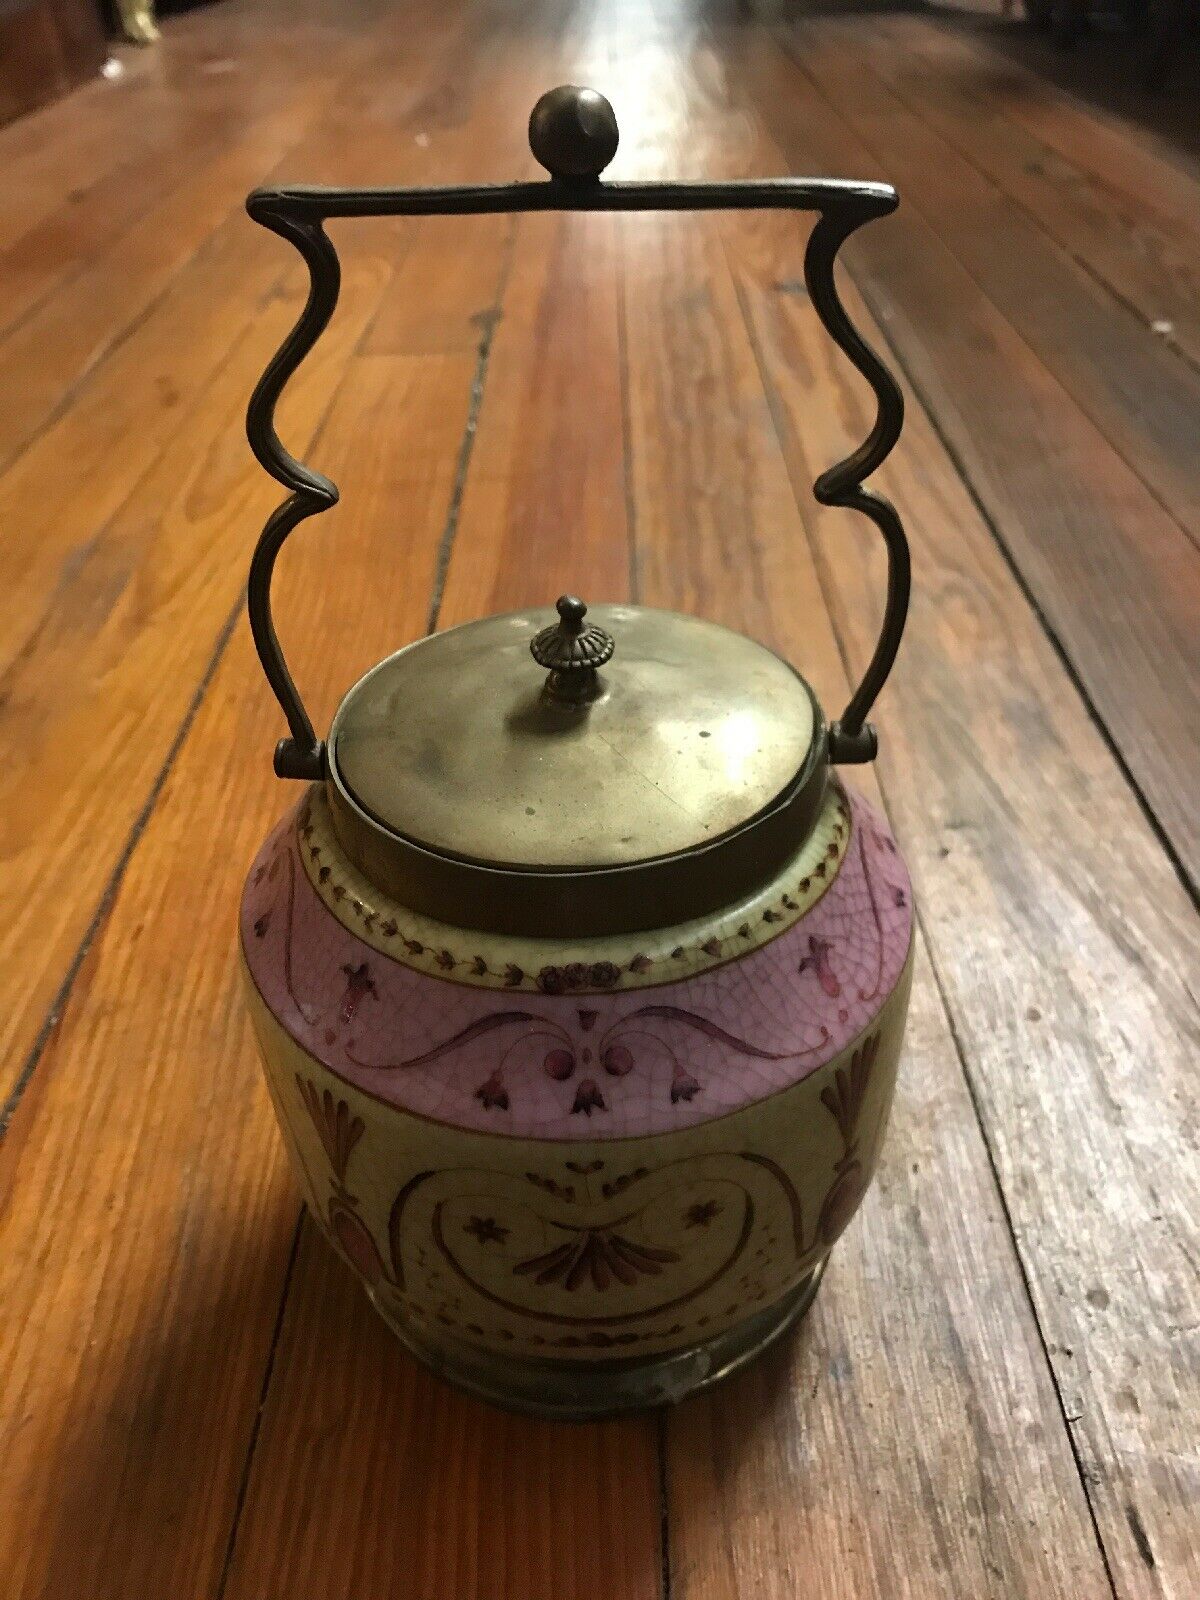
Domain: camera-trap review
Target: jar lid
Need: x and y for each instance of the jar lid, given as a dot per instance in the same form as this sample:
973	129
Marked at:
655	768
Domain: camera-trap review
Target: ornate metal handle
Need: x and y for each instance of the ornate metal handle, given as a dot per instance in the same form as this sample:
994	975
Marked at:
573	133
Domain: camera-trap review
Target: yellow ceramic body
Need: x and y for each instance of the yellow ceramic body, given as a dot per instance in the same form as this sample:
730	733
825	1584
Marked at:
583	1178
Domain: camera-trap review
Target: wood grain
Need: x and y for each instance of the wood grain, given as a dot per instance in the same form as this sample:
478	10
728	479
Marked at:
370	1476
49	353
1030	979
1112	148
92	699
1143	399
109	223
148	1240
1114	576
1127	218
91	704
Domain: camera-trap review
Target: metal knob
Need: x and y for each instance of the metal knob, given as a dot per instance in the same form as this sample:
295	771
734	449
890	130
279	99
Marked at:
572	652
573	132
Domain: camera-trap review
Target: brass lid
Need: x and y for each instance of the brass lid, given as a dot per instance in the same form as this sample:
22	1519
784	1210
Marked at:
658	767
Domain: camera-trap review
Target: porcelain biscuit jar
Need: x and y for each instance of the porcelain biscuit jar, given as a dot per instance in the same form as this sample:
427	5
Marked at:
579	975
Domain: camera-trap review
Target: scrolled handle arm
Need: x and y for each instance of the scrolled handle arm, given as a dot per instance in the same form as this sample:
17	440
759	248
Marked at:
301	754
851	737
574	134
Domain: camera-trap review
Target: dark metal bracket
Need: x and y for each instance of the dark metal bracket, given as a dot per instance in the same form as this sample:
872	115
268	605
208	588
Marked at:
573	133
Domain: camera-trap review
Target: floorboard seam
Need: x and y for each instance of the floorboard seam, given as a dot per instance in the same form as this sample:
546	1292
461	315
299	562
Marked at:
1190	885
81	263
862	284
1184	532
1081	265
828	589
489	322
108	898
1010	1225
80	553
263	1391
112	888
71	393
491	319
1079	261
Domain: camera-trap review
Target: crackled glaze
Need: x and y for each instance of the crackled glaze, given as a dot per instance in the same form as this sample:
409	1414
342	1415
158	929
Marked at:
533	1248
589	1159
621	1063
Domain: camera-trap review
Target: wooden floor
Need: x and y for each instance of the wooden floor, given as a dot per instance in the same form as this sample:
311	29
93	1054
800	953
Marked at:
998	1392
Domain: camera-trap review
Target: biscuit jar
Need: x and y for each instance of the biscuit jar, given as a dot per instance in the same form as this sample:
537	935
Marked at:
579	974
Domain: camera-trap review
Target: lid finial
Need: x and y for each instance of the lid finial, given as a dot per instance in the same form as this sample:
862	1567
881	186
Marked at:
573	133
572	651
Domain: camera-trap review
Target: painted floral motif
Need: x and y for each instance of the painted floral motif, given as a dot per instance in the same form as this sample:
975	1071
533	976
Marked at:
339	1132
492	1094
359	984
552	979
486	1230
581	975
612	1051
588	1098
603	1255
843	1099
620	1062
818	961
540	1258
552	1265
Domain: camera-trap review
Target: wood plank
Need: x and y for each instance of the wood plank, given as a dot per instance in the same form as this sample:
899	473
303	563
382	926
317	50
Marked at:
373	1478
1113	575
92	700
544	509
983	827
1122	214
48	355
1126	381
51	160
1107	80
201	180
1009	804
1112	148
80	470
911	1443
42	155
89	707
149	1217
159	153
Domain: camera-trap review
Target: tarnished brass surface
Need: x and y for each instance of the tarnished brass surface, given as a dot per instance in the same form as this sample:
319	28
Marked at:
454	743
469	792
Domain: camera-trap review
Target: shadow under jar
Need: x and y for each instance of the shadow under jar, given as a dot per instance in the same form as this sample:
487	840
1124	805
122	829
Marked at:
578	975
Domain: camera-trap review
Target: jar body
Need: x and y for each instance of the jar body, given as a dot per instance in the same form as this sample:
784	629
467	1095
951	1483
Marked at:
583	1178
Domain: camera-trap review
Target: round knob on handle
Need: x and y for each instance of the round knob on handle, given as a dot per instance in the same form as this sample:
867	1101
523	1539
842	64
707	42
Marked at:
573	132
572	651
